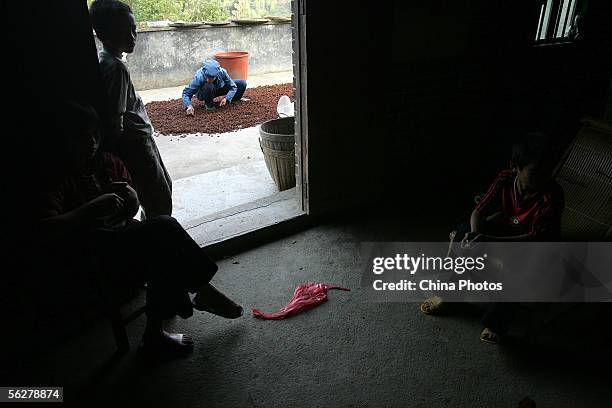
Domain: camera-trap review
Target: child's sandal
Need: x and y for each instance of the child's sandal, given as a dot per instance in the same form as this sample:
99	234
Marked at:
489	336
432	306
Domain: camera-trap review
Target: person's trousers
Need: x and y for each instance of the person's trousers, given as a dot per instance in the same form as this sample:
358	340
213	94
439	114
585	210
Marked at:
209	92
151	179
160	253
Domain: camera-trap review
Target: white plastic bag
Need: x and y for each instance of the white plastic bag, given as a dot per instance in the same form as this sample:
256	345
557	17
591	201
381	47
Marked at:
285	107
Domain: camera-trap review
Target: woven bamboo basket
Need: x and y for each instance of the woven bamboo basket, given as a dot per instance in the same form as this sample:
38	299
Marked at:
585	175
277	142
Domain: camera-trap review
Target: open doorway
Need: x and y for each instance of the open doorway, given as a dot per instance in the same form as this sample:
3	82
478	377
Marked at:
222	185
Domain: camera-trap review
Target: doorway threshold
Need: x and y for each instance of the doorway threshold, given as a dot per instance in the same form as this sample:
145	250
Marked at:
240	221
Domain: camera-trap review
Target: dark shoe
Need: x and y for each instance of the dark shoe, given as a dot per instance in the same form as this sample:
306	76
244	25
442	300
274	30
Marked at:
210	108
212	301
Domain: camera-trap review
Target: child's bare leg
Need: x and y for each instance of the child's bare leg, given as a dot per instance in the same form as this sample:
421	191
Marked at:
155	337
209	299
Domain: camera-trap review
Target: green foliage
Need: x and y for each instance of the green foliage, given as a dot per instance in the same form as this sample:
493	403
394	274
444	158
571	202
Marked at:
153	10
242	9
205	10
259	8
202	10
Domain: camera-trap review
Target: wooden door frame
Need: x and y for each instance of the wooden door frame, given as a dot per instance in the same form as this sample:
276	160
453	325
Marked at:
300	88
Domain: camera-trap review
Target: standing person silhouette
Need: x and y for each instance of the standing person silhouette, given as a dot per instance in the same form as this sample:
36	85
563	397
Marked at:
130	132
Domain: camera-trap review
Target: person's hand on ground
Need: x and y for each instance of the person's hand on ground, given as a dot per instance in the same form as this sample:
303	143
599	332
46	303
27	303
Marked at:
221	100
190	111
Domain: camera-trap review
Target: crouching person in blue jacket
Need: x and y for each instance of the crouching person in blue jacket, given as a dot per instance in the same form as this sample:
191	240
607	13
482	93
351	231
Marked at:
214	86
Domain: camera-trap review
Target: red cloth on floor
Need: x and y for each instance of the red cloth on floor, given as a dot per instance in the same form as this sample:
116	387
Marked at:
305	296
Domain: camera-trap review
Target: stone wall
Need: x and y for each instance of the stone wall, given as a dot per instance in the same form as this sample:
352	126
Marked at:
166	57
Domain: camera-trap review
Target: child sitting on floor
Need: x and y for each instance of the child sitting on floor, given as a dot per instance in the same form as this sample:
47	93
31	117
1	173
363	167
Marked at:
523	204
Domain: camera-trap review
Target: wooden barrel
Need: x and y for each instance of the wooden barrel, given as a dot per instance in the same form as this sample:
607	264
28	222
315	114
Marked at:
277	142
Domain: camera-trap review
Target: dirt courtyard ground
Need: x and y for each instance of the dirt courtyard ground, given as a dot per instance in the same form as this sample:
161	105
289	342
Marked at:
168	117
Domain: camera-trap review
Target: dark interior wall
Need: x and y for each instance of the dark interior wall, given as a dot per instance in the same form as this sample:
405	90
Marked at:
49	57
573	80
412	101
53	58
467	79
59	54
462	70
345	89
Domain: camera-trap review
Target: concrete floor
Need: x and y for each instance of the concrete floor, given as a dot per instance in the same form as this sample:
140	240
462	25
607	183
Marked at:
190	155
208	193
345	353
212	173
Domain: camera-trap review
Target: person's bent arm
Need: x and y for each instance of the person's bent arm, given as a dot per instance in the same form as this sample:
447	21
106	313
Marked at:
479	225
477	222
116	90
233	88
129	196
91	214
511	238
190	90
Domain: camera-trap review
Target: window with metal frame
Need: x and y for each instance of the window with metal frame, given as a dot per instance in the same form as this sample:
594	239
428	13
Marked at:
558	21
